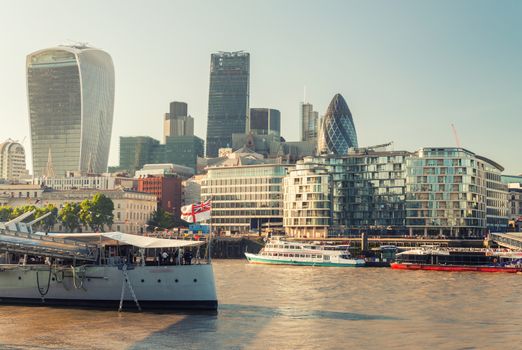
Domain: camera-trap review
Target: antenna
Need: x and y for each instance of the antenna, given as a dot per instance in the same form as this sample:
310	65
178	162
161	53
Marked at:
304	93
457	140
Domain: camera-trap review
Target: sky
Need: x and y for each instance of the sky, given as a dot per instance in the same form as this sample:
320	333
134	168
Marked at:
407	69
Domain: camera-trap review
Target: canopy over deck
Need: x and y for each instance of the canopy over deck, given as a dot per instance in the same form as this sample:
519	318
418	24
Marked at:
134	240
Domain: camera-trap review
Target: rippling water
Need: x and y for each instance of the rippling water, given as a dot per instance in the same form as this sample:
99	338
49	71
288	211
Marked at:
277	307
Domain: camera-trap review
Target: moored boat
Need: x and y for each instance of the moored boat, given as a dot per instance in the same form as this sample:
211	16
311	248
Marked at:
459	260
281	252
102	270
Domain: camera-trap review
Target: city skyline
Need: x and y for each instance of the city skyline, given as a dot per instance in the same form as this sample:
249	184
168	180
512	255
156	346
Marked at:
410	77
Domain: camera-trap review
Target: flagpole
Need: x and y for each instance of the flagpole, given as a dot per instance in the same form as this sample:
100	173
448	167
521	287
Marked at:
210	234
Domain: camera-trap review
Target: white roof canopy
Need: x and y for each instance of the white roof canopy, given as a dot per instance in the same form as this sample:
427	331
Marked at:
135	240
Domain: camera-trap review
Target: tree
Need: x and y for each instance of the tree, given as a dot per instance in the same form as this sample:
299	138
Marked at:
97	212
21	210
164	220
5	213
70	216
160	219
47	223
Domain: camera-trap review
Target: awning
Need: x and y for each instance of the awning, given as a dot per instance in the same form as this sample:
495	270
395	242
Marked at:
135	240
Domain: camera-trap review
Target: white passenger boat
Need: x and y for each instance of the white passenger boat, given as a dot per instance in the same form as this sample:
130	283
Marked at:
119	270
281	252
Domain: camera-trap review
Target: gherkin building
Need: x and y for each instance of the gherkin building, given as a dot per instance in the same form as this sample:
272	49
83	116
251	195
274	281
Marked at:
337	133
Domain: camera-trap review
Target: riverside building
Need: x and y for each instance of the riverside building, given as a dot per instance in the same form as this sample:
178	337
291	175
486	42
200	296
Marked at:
365	189
246	192
71	101
455	193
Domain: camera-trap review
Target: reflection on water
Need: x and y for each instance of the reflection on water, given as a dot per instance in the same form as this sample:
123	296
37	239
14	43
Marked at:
277	307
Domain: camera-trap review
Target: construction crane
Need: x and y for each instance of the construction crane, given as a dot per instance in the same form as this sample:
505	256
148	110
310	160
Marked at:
457	140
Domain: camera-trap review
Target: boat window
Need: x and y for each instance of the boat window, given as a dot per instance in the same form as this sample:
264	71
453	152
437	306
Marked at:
326	257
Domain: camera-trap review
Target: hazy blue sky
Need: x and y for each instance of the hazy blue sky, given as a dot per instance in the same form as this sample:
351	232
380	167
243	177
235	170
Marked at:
408	69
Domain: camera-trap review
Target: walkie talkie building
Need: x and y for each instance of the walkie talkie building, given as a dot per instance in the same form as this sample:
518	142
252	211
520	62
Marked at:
337	133
71	102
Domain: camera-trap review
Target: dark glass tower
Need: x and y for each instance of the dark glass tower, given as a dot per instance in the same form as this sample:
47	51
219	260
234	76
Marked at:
337	133
228	106
265	121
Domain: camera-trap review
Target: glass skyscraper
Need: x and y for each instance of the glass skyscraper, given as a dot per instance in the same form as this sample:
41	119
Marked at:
265	121
71	103
228	101
309	122
337	133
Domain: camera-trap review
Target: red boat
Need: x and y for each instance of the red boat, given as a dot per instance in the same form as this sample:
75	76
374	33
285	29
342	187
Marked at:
459	260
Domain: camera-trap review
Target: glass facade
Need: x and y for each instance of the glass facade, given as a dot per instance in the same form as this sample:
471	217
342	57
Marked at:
265	121
137	151
309	122
245	198
453	192
366	193
228	102
337	133
71	103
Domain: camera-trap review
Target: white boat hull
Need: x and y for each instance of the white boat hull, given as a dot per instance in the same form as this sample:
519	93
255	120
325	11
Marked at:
156	287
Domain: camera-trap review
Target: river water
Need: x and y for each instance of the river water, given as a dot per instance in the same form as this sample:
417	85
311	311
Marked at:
278	307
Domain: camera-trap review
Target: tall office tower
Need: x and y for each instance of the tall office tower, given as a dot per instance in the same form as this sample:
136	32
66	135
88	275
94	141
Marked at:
71	102
12	160
228	100
309	122
177	122
265	121
337	133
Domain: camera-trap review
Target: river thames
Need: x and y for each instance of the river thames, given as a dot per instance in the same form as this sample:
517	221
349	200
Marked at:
278	307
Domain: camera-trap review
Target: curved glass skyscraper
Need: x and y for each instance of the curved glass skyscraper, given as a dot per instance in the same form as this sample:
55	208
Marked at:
337	133
71	102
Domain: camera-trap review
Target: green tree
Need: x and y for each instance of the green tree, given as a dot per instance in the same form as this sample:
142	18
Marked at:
164	220
5	213
97	212
47	223
160	219
70	216
21	210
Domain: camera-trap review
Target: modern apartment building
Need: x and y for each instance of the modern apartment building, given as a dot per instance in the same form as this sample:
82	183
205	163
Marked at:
455	193
365	190
308	200
71	101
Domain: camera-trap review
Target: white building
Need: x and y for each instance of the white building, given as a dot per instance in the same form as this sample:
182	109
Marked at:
12	161
307	200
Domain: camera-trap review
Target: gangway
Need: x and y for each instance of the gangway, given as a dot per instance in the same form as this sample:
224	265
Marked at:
511	240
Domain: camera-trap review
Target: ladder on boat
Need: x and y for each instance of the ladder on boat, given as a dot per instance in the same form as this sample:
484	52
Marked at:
126	280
